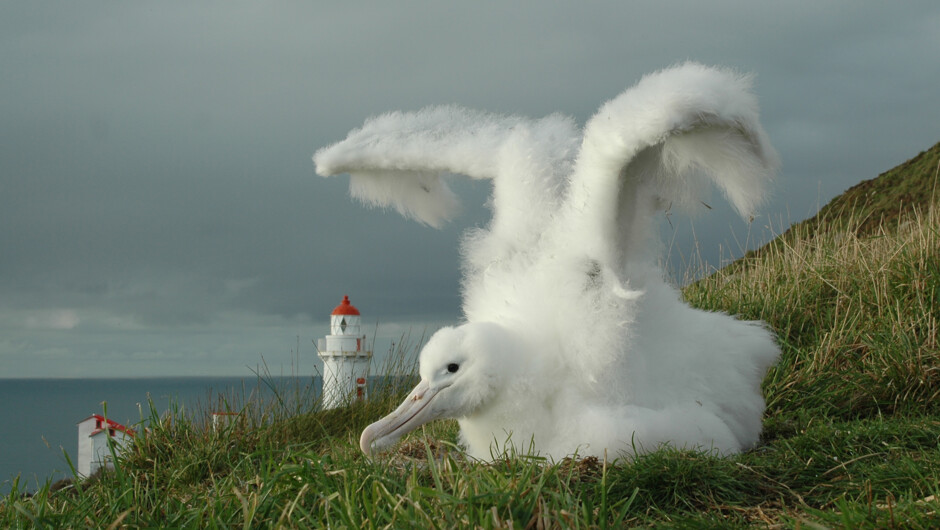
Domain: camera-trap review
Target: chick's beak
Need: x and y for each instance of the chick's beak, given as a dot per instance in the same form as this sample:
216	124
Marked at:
414	412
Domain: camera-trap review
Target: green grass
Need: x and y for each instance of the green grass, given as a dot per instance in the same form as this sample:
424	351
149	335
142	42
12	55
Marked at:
851	437
873	204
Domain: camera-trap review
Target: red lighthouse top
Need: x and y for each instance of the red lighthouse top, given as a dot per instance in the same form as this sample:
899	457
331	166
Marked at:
345	308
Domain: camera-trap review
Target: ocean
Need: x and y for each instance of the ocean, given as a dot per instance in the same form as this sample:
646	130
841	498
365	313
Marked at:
38	417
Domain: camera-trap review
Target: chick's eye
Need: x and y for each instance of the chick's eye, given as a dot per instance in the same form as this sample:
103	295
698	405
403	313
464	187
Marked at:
453	367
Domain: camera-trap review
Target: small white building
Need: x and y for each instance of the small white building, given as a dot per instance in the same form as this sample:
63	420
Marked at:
94	432
345	358
222	420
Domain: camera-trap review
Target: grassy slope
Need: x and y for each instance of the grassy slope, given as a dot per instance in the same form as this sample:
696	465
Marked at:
852	433
882	201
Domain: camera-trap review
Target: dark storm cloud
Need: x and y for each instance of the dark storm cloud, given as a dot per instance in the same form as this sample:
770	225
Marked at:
156	188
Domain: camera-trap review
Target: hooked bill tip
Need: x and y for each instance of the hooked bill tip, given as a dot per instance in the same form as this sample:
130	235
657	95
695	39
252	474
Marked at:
410	414
365	441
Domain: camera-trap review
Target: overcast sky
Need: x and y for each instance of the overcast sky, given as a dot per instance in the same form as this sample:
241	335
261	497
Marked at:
159	210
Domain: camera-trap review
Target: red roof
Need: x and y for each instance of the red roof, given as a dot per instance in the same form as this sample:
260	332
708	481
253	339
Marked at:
111	424
345	308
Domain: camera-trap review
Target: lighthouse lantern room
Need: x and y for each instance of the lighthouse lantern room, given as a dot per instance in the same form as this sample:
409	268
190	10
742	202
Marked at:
345	358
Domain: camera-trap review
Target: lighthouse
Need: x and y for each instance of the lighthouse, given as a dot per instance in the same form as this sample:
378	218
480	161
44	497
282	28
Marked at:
345	358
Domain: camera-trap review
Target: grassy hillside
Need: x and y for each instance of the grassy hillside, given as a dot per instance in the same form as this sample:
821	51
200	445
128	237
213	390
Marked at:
852	431
881	202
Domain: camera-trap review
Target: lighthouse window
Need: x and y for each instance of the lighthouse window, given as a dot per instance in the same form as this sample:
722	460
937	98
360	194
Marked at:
342	325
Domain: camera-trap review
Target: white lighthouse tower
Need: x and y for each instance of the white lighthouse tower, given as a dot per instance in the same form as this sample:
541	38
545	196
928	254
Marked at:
345	358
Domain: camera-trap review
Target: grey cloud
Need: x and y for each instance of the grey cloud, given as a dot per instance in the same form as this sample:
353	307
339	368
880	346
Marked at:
155	159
